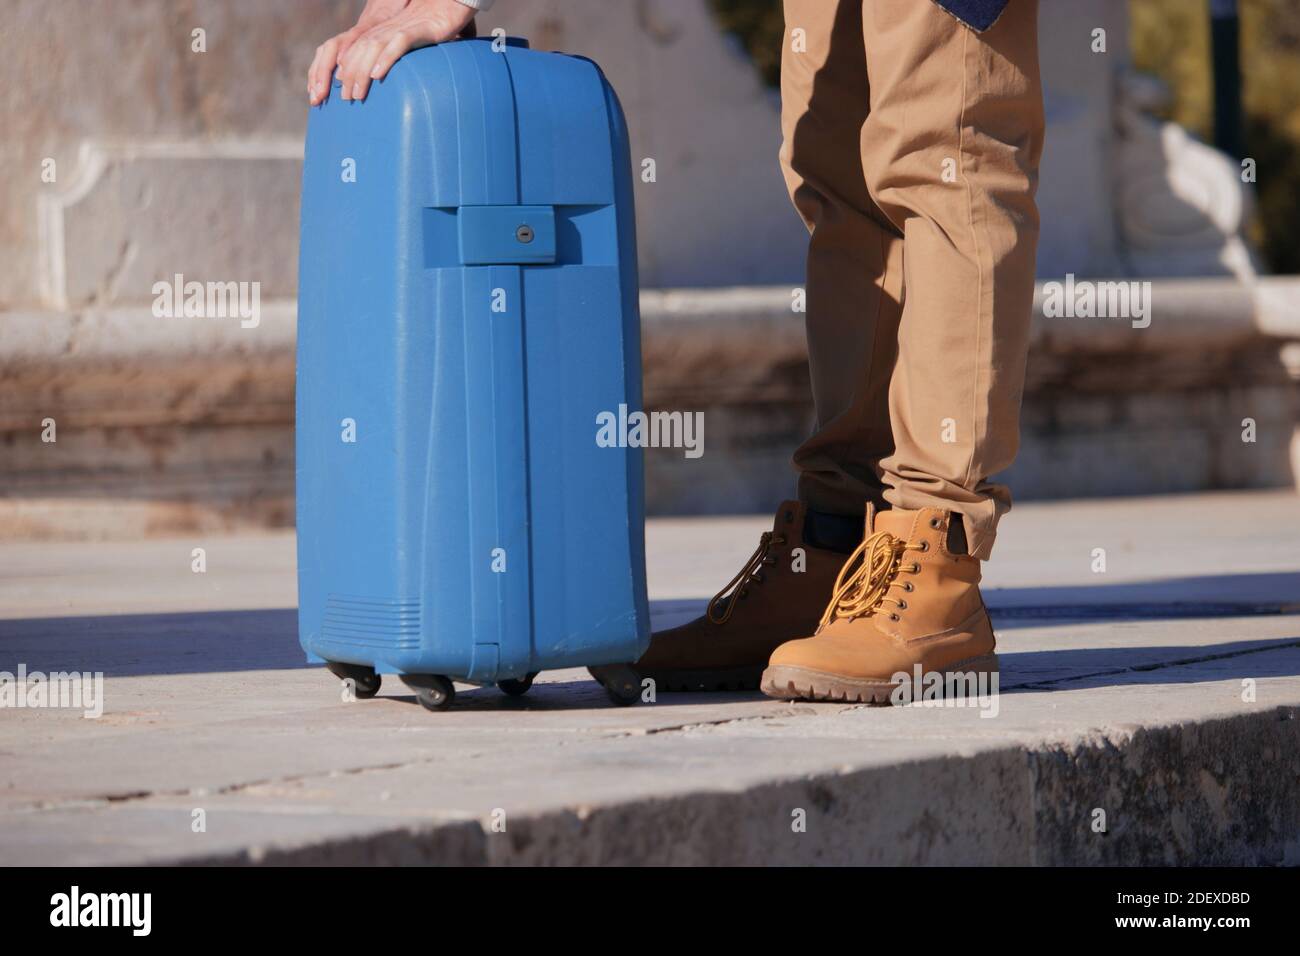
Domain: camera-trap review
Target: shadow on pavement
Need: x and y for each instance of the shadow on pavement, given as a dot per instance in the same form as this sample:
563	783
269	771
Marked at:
233	641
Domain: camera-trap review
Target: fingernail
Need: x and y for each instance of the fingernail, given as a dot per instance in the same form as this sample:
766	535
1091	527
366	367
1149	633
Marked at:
356	91
374	73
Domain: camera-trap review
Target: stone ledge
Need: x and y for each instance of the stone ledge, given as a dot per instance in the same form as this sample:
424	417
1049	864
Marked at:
734	341
195	416
1218	792
733	332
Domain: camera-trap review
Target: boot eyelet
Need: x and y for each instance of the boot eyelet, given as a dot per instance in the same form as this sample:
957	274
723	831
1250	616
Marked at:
779	539
909	586
902	605
925	546
894	617
934	522
915	568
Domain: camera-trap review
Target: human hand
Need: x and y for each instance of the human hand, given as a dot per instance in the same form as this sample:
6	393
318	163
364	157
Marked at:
419	23
331	51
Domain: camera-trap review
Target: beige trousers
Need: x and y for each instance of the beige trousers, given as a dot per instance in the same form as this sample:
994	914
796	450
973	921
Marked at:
911	148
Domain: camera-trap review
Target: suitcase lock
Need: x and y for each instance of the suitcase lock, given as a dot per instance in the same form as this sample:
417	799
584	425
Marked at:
506	235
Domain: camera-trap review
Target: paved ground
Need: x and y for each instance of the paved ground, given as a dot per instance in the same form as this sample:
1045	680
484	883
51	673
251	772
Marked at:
1147	714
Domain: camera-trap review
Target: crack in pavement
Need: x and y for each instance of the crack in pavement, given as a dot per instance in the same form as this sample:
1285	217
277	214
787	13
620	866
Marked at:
805	710
100	801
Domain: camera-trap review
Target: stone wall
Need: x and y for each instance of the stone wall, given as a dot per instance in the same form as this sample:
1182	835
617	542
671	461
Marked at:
164	159
130	156
169	160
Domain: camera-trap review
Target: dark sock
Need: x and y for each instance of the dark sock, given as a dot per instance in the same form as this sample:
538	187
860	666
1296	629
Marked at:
956	533
831	532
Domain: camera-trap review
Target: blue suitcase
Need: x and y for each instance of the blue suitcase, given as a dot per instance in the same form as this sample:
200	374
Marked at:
467	309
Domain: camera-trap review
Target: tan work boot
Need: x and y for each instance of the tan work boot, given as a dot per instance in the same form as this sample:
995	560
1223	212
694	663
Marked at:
766	604
903	599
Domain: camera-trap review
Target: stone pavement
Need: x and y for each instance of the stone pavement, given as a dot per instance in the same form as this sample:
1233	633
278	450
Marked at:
1148	714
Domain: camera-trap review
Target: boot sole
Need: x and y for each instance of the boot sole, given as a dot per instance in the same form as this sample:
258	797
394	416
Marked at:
800	683
703	680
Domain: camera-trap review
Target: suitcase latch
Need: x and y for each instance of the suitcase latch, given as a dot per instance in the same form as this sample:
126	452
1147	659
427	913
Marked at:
506	235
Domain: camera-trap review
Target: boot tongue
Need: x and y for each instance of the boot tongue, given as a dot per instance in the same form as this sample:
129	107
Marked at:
896	522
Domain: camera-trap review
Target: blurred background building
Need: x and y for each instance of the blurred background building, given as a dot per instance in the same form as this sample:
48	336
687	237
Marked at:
151	138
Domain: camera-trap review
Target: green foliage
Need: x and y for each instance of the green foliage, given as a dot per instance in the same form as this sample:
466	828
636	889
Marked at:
760	25
1171	39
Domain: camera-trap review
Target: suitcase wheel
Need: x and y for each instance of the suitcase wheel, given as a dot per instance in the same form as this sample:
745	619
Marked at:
365	682
621	682
517	688
433	691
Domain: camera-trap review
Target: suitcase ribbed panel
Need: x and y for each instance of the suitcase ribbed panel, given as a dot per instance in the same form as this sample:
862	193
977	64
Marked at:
372	622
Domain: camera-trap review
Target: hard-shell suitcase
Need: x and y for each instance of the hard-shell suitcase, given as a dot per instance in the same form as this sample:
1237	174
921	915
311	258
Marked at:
467	309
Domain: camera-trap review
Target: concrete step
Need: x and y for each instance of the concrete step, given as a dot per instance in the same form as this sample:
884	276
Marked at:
1172	727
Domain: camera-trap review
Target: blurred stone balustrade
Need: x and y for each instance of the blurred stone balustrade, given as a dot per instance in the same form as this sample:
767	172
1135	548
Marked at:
196	431
168	161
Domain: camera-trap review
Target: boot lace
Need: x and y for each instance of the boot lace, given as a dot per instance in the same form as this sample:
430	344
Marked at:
724	602
870	573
